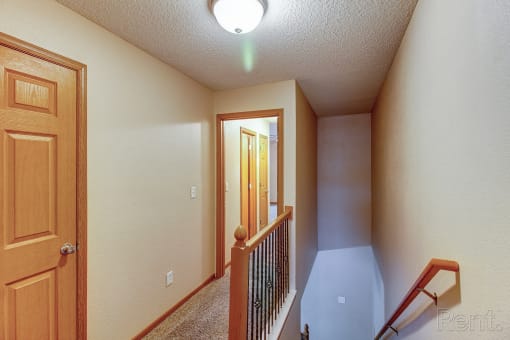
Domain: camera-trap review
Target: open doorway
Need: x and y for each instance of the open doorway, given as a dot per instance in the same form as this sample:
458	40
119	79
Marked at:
249	176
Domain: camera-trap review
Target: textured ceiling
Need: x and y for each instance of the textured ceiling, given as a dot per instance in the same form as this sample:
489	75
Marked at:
338	50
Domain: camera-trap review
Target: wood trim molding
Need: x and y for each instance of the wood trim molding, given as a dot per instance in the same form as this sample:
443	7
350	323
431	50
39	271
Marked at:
252	244
81	158
252	193
82	203
220	174
220	199
169	312
248	131
268	181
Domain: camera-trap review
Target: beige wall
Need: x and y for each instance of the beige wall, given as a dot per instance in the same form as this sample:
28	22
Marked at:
149	139
232	145
344	170
441	141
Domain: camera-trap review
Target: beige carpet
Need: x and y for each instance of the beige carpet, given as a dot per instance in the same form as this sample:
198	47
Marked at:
204	316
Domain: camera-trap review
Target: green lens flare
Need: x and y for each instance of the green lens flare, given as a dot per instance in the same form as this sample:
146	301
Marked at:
248	56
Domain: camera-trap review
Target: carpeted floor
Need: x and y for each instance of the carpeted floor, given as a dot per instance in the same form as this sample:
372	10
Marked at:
204	316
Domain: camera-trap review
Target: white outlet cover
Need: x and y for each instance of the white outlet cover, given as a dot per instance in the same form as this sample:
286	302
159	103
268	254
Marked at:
169	278
341	299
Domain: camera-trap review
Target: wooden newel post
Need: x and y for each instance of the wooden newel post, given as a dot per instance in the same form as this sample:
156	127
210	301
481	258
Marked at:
238	318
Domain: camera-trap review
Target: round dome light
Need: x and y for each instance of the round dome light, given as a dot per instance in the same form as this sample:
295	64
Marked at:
238	16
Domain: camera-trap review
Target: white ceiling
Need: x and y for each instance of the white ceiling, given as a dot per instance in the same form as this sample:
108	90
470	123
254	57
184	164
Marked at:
338	50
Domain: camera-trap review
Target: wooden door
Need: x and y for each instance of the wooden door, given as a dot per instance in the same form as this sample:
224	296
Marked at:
248	181
38	197
263	181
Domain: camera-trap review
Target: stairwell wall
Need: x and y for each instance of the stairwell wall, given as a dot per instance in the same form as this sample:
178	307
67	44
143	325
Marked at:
441	184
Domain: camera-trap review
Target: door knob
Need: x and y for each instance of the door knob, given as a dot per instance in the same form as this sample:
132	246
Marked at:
67	249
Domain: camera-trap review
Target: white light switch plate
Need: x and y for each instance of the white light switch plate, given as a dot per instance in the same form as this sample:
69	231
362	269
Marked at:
341	299
193	192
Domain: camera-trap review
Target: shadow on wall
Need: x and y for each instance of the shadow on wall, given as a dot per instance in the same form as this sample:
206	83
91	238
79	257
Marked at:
427	312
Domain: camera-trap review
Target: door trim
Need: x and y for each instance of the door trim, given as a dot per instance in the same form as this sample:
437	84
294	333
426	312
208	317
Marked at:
220	175
252	165
81	169
261	136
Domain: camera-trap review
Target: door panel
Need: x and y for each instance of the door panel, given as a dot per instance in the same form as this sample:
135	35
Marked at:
30	93
38	107
263	180
32	308
30	172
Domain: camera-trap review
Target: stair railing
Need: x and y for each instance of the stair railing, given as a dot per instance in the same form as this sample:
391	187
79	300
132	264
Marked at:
432	268
259	279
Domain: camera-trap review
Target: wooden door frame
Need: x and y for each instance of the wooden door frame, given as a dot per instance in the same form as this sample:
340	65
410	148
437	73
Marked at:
220	174
81	168
262	136
251	166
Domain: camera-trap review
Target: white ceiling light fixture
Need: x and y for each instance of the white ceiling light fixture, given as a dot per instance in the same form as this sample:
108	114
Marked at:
238	16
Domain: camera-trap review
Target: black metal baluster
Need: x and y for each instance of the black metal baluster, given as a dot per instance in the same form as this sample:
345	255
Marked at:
268	285
252	294
281	265
273	279
284	250
264	290
277	307
275	273
259	300
255	278
282	228
260	292
284	254
286	257
261	295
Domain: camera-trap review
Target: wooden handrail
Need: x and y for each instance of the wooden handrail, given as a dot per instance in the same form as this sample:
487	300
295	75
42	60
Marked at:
432	268
264	233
